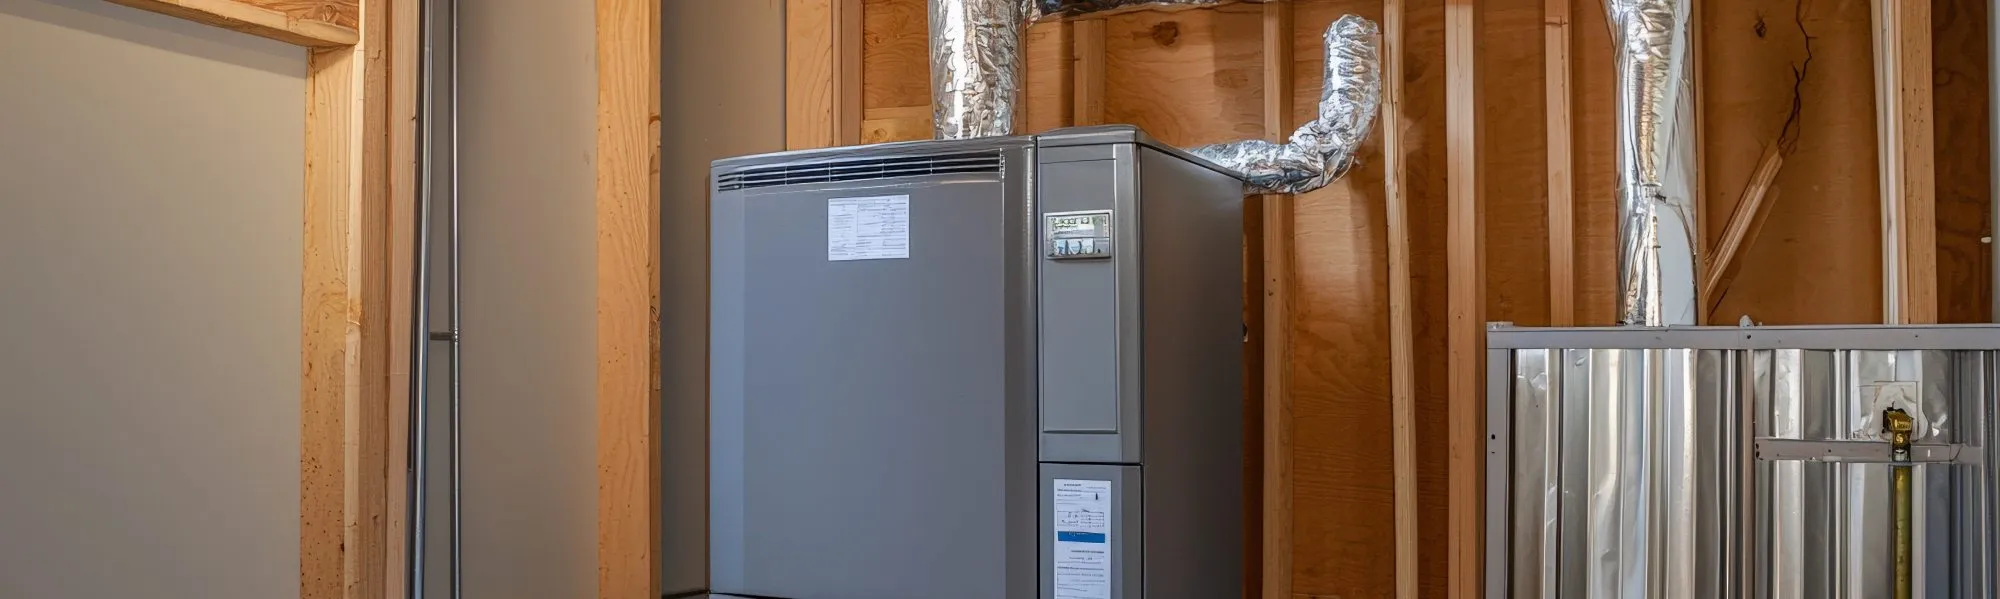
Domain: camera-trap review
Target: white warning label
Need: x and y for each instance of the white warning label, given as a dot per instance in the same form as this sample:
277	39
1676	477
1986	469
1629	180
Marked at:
871	228
1083	539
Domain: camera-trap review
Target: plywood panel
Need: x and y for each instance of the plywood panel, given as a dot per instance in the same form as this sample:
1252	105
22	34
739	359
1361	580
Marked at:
1187	77
1818	258
1343	489
1964	173
823	73
895	54
1515	156
1051	82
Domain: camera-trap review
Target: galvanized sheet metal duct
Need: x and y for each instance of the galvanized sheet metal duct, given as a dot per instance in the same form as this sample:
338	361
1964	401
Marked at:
1656	218
1321	150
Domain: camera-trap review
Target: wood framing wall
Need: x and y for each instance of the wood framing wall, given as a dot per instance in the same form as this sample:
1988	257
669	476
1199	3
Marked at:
1541	204
359	196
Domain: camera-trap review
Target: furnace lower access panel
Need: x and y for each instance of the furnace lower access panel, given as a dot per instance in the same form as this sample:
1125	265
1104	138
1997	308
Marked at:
1005	368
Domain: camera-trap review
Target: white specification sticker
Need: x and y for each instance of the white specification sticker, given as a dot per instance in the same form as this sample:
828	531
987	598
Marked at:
1083	539
871	228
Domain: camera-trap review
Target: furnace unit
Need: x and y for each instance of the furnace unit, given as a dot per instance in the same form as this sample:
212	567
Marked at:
1000	368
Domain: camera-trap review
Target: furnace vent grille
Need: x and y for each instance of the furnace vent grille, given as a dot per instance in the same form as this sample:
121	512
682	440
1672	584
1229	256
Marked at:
860	170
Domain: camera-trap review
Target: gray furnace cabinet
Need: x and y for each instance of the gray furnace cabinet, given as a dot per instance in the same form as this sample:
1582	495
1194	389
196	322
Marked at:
1003	368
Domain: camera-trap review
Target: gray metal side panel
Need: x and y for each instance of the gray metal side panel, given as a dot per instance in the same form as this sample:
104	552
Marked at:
1192	330
872	420
1128	537
1499	469
1089	314
725	390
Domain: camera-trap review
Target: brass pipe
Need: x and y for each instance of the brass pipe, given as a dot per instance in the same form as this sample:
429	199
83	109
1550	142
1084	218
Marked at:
1900	426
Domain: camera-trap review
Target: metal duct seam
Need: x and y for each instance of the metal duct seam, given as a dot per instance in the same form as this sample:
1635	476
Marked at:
1324	149
1656	218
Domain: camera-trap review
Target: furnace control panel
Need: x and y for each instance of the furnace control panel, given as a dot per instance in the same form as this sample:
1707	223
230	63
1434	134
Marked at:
1077	235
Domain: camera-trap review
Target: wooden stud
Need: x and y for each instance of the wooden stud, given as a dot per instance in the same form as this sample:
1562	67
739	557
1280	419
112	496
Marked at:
823	101
312	28
1465	259
354	318
344	546
367	539
1402	337
1277	70
404	40
1562	207
1741	231
628	301
1904	122
330	333
1278	275
1089	46
1278	248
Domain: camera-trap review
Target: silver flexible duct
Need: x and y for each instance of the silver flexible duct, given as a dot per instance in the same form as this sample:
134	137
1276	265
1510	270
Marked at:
975	66
1322	150
976	58
976	77
1656	218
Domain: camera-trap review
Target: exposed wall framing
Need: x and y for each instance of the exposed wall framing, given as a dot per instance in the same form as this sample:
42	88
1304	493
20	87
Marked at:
309	23
1546	102
356	301
628	285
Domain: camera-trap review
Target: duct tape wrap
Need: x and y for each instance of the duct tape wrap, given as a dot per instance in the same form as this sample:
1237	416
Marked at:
1071	8
975	66
1322	150
1656	219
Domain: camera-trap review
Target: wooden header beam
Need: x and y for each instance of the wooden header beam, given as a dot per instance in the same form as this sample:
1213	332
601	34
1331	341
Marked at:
321	24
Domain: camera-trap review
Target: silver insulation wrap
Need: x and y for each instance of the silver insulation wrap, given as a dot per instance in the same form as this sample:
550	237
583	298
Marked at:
1322	150
975	66
1656	219
1071	8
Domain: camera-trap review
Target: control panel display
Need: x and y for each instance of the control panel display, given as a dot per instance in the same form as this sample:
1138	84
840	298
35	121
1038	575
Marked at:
1077	235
